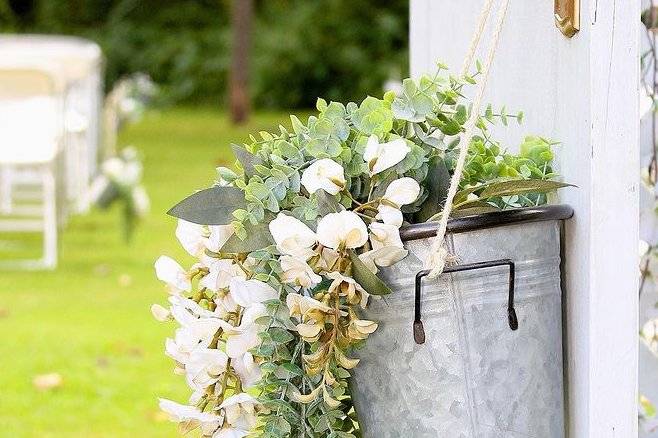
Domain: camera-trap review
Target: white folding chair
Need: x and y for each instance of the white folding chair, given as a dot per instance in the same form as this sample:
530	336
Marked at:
31	128
80	63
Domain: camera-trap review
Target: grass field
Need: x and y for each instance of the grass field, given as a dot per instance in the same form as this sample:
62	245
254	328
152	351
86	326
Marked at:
89	320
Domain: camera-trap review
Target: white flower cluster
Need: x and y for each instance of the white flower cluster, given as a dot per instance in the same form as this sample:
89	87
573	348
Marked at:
219	325
212	363
347	227
121	176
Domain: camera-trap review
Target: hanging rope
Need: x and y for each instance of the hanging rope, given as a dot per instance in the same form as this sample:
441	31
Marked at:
438	254
477	35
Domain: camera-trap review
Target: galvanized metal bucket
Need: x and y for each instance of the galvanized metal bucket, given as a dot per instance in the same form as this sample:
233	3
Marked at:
491	361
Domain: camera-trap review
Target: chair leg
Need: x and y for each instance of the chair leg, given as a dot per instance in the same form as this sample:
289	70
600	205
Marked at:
83	174
49	218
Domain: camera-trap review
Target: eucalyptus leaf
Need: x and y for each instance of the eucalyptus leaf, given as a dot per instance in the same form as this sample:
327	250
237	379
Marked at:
473	209
327	203
292	369
246	159
437	185
520	186
384	180
213	206
257	237
280	336
364	276
462	195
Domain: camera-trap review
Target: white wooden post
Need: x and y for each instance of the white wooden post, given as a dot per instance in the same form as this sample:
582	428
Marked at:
583	92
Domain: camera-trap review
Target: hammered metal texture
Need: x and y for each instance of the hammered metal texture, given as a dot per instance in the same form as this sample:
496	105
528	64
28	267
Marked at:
473	377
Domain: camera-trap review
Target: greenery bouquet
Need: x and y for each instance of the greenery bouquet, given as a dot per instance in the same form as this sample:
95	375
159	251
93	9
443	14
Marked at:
286	250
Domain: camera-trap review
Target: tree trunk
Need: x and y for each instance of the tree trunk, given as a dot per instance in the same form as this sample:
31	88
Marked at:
242	11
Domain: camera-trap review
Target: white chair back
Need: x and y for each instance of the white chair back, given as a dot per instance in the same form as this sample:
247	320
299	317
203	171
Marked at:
31	114
21	83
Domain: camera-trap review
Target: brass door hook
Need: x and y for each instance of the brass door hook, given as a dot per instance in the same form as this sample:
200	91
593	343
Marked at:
567	16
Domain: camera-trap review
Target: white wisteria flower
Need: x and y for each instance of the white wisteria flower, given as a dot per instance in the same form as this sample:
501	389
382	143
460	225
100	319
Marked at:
247	369
240	411
180	304
383	235
225	303
190	417
292	236
382	156
196	238
191	237
299	305
327	260
249	292
311	313
385	256
198	327
349	288
400	192
160	313
387	247
324	174
169	271
204	367
344	229
244	337
230	432
298	272
220	273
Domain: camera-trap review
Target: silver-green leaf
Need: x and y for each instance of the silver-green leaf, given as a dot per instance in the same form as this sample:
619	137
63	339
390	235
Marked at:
213	206
364	276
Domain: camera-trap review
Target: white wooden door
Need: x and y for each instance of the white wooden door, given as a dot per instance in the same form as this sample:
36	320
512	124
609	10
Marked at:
583	92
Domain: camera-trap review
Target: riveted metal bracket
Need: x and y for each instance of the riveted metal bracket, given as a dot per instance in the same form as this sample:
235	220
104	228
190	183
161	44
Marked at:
567	16
512	320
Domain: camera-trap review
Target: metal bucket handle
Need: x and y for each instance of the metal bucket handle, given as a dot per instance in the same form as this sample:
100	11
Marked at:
419	330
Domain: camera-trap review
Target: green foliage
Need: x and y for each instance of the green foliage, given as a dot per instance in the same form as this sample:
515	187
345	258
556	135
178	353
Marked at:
369	281
304	351
213	206
429	114
301	49
339	50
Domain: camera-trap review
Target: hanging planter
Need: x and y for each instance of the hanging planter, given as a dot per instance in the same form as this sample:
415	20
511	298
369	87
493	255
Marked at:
486	352
301	284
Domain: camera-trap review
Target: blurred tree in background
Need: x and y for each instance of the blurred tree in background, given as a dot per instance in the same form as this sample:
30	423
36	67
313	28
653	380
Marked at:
301	49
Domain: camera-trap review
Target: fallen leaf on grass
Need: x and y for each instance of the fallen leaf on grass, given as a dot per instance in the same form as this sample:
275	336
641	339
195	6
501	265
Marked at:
135	352
48	382
125	280
102	270
102	362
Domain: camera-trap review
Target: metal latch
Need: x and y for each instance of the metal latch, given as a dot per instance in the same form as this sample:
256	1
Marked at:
567	16
419	330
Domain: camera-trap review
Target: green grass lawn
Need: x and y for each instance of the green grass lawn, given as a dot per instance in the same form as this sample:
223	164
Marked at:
89	320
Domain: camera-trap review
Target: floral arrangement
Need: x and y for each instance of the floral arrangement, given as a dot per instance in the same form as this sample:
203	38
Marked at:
287	247
120	181
132	95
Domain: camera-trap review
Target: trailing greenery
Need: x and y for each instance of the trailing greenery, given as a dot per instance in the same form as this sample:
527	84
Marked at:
330	48
288	246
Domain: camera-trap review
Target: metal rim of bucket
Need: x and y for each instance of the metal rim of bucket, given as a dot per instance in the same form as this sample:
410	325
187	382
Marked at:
475	222
489	220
